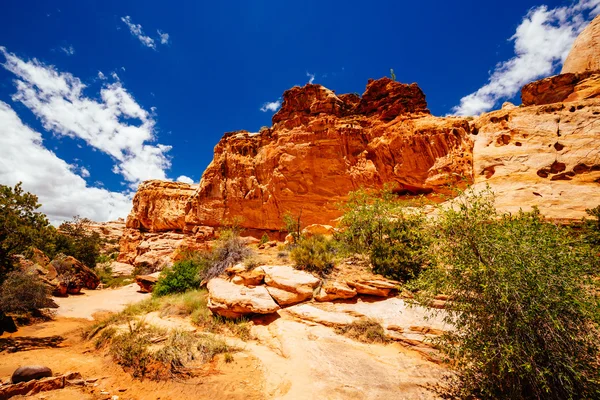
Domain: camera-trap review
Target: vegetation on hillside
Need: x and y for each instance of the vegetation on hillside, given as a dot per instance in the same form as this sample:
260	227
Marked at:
526	321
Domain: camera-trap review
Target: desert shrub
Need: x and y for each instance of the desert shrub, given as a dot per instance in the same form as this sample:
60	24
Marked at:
292	225
315	254
525	322
364	330
183	276
229	250
264	239
592	227
22	292
395	238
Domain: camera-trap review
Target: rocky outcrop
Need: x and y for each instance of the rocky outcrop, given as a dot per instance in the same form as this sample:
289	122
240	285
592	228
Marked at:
585	53
146	282
159	206
562	88
320	148
545	156
74	273
30	372
288	285
233	301
110	231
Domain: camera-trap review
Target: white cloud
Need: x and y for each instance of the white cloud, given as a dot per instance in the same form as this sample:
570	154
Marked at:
136	30
164	37
541	43
101	75
311	77
61	192
185	179
271	106
84	172
114	124
68	50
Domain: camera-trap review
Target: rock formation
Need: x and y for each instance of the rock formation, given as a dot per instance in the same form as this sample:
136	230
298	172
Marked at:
320	147
585	54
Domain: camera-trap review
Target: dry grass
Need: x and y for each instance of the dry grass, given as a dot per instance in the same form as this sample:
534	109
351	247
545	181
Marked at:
364	330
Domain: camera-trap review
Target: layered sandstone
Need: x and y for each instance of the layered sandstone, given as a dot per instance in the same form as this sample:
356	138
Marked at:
585	54
322	146
545	156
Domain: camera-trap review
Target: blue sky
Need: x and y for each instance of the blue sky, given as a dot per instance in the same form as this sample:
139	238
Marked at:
98	96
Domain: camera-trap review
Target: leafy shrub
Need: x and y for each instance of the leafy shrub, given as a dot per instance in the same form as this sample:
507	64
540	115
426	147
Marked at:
526	324
315	254
292	225
592	226
396	239
183	276
364	330
77	240
22	292
264	239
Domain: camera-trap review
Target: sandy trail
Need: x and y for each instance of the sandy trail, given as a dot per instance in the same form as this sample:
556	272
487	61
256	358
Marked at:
90	302
290	358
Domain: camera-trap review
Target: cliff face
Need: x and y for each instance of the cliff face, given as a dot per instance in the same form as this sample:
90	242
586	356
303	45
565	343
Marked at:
320	147
545	156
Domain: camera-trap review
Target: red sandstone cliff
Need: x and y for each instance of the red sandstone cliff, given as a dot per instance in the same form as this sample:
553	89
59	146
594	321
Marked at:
320	147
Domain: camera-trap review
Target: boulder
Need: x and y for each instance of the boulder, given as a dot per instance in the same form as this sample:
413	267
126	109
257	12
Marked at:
318	229
146	282
121	269
74	273
30	372
233	301
335	290
240	275
373	287
285	297
300	283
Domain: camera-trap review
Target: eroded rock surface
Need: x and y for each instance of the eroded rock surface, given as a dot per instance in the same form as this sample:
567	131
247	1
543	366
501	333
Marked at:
233	301
585	53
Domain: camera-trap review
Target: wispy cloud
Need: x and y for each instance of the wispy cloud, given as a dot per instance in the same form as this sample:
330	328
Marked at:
114	124
311	77
164	37
68	50
137	31
541	43
271	106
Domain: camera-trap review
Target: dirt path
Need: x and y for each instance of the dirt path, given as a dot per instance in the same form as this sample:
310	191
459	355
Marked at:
90	302
291	358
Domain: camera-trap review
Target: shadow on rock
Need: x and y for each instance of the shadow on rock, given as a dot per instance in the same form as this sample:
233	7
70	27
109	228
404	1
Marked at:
25	343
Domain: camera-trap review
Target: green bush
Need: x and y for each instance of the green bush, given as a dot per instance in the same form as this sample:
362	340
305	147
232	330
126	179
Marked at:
183	276
395	238
22	292
592	227
315	254
292	225
525	321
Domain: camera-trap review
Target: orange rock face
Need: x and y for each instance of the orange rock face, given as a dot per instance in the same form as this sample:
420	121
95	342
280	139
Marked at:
321	147
562	88
545	156
585	54
160	206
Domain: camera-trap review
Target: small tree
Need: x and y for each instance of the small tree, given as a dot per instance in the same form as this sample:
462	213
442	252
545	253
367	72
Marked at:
525	321
21	225
76	239
394	237
292	225
392	74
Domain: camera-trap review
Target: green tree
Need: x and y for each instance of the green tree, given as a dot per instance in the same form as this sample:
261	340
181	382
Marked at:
292	225
395	237
75	238
525	320
21	225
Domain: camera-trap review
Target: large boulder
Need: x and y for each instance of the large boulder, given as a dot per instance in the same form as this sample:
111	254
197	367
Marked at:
146	282
335	290
74	273
288	285
30	372
233	301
